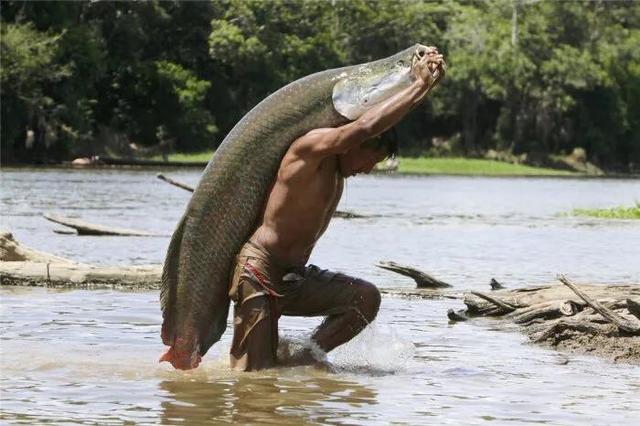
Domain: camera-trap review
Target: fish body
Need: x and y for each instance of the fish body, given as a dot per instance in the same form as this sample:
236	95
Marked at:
225	207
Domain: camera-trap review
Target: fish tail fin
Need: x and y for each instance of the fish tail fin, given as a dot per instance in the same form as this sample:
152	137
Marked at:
170	285
184	355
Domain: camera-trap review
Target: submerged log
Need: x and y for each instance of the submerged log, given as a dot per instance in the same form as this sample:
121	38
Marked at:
595	319
85	228
495	285
422	279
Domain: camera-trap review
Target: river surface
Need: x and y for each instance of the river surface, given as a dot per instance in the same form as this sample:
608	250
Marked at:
79	356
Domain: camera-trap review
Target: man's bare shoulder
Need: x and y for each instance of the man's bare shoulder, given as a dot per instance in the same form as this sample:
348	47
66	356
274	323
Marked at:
312	142
302	156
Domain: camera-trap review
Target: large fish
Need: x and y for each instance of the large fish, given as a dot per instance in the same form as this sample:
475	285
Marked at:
224	208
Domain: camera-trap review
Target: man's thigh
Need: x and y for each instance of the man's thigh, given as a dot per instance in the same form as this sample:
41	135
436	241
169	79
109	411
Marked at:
320	293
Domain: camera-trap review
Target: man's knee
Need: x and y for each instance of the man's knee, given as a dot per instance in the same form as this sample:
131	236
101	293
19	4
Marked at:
368	299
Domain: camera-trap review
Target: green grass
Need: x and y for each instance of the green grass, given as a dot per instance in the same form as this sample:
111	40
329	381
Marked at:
470	166
620	212
427	165
196	157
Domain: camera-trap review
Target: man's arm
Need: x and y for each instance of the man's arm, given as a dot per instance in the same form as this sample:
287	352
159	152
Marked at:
378	119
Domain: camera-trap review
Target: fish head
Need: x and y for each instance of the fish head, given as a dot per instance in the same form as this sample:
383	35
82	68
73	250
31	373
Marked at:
362	87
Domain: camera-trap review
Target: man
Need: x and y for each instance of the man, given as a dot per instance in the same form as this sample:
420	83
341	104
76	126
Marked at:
270	278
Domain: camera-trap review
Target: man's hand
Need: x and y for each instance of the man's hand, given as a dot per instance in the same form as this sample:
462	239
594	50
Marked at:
429	66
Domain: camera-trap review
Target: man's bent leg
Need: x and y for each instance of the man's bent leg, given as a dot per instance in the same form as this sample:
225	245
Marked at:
339	328
350	304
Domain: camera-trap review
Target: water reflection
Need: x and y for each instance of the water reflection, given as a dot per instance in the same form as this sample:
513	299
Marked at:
264	398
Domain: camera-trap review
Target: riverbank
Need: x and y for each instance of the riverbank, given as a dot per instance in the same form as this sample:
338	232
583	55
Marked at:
473	166
428	166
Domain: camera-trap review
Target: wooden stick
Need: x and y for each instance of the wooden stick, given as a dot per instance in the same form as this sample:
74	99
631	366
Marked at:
620	322
500	303
175	183
84	228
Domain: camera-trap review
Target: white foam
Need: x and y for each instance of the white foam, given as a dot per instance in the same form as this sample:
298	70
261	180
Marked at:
376	348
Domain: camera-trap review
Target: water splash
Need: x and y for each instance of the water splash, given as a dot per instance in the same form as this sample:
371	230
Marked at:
377	349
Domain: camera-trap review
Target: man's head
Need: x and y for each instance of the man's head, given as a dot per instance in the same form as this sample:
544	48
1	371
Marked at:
362	158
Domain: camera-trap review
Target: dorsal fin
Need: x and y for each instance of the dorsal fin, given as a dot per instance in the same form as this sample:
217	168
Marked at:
170	284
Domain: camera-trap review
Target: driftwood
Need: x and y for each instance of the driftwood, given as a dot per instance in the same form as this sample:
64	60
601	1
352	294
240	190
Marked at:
21	265
598	319
12	251
422	279
85	228
621	322
338	213
80	275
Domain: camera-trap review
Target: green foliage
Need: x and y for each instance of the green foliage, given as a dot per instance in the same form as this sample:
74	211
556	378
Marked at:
613	213
27	68
182	92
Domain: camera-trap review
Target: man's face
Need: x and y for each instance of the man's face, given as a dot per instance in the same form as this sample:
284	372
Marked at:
360	160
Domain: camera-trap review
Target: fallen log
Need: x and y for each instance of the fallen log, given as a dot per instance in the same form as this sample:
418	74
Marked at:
621	322
338	213
422	279
595	319
12	251
21	265
80	275
85	228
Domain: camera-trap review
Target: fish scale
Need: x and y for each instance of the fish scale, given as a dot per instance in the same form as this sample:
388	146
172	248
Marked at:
224	207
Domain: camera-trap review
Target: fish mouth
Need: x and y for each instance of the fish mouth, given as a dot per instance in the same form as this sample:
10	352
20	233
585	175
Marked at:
365	86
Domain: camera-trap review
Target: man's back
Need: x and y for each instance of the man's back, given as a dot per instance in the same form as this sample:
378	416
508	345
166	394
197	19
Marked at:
299	206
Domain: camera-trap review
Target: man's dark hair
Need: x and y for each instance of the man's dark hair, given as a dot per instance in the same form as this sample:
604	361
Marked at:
387	140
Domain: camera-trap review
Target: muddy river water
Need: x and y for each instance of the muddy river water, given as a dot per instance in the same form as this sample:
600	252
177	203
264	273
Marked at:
90	356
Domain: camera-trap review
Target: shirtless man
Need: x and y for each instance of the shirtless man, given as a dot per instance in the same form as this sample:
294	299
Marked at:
270	278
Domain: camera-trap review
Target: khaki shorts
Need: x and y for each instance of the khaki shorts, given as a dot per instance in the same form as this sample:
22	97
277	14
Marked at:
262	291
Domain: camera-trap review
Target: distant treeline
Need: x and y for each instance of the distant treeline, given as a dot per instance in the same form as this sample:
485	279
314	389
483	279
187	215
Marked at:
541	77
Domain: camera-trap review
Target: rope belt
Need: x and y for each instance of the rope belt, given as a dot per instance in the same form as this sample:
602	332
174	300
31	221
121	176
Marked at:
260	279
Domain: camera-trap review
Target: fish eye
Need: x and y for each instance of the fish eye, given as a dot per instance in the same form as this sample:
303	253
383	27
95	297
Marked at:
401	63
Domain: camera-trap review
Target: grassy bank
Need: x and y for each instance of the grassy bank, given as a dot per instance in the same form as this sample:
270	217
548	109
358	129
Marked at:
197	157
470	166
426	165
612	213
